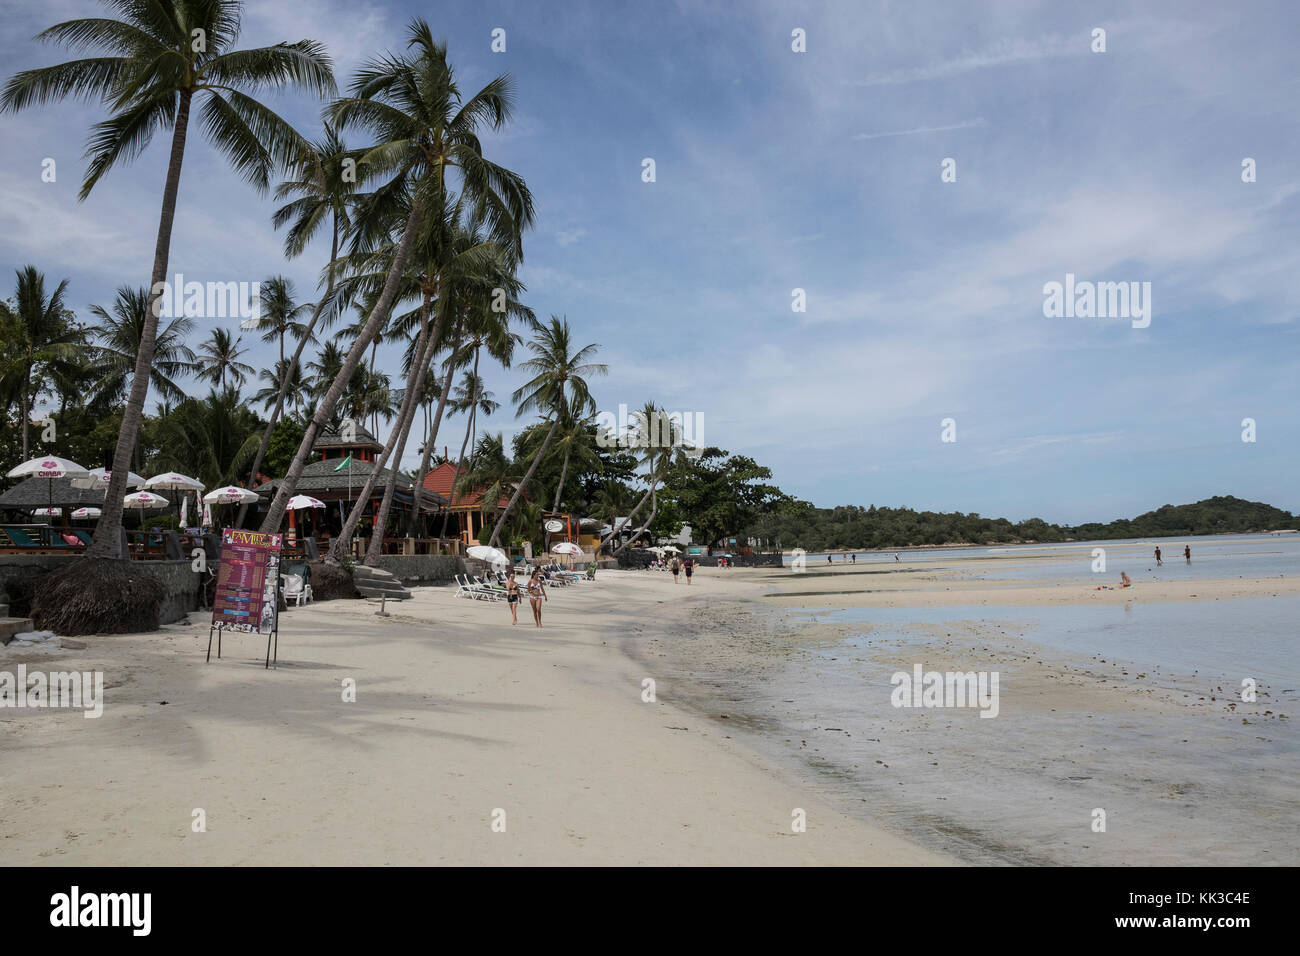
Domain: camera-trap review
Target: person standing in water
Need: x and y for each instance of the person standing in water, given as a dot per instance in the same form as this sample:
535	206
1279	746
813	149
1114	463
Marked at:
537	594
1158	561
1187	553
512	595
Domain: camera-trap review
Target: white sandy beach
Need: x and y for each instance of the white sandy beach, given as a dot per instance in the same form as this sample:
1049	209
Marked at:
457	714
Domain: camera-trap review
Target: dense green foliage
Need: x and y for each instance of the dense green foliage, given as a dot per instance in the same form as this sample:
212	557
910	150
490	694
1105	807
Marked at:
821	529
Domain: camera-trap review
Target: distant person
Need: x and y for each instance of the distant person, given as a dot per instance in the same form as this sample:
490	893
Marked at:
690	569
895	557
1158	561
1187	553
512	595
1124	582
853	558
676	568
536	594
828	559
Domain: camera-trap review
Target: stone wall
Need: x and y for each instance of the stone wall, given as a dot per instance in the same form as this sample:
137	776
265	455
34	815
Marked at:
421	568
179	580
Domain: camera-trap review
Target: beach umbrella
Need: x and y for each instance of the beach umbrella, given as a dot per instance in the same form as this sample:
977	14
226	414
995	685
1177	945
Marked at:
143	500
185	509
481	552
230	495
87	513
565	547
49	467
43	512
170	480
669	547
100	477
297	503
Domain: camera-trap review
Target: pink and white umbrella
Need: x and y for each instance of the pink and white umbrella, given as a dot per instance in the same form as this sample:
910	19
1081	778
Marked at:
46	512
304	501
171	480
230	495
49	467
100	477
565	547
87	513
143	500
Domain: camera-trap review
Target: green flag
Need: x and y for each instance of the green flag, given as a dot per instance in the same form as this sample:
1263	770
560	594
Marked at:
343	464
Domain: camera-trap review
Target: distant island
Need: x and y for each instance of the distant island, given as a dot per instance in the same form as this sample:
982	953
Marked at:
800	524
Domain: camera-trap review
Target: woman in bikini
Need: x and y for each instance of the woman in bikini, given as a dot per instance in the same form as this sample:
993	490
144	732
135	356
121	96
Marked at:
537	594
512	596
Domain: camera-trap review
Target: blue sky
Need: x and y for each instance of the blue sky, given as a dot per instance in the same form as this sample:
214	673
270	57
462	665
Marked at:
820	170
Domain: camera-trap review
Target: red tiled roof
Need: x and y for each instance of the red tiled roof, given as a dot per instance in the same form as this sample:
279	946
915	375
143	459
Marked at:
439	480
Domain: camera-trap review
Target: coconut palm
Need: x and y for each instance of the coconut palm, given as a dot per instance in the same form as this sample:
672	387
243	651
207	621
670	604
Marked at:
279	314
470	397
575	440
220	356
39	339
161	60
322	186
211	438
656	437
423	128
117	343
559	382
295	395
490	471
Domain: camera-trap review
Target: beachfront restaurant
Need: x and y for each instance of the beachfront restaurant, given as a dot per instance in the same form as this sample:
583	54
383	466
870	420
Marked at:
337	475
467	517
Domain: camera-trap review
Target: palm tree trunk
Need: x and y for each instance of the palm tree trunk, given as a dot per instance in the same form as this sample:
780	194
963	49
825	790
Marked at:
654	508
424	348
107	542
284	379
624	523
564	470
26	401
418	498
519	489
469	426
326	407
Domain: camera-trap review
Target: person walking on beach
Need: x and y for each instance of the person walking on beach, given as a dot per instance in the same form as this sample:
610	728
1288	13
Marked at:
690	569
1187	553
536	594
1158	561
675	567
828	559
853	558
512	595
895	557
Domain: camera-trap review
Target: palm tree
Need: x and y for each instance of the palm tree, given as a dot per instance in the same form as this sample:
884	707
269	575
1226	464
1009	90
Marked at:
295	394
210	438
219	356
43	340
559	382
471	397
576	440
657	437
162	59
117	343
423	128
323	190
490	470
279	314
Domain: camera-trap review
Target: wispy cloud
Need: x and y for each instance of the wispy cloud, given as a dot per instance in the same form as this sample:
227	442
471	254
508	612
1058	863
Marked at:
1004	53
964	124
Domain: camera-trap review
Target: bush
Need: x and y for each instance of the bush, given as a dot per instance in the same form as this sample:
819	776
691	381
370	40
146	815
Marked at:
97	596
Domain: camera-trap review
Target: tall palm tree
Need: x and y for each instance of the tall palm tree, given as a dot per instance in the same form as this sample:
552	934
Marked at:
43	339
423	128
657	438
210	438
576	441
469	398
323	191
162	59
117	343
559	382
219	356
